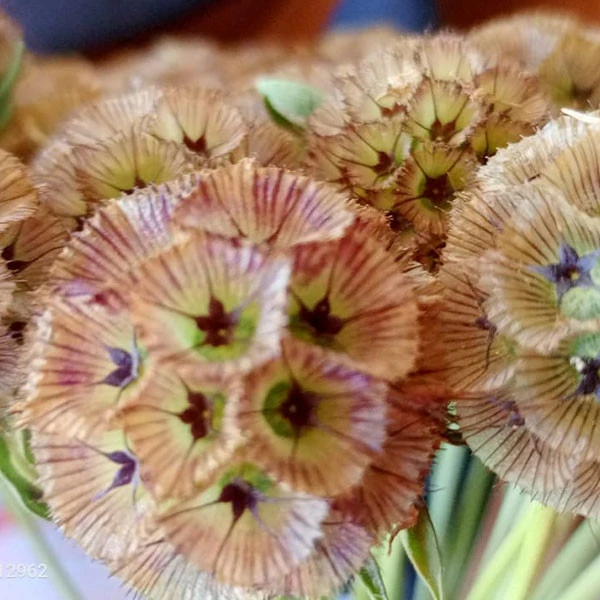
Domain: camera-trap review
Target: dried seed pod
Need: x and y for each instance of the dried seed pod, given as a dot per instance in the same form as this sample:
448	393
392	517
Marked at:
183	427
127	162
264	205
351	298
303	410
211	303
247	529
542	279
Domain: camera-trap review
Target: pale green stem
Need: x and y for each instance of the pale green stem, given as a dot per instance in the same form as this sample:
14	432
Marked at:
445	482
46	554
533	550
391	564
513	503
360	591
577	553
486	584
467	519
586	586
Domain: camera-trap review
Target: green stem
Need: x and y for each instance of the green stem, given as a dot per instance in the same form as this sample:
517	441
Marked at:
513	503
532	551
445	482
474	497
576	555
587	585
42	548
391	563
485	586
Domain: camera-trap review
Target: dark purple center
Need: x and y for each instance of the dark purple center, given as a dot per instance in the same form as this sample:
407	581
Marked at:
589	378
126	369
442	131
218	325
199	146
384	164
298	408
241	496
571	270
8	254
438	190
320	318
126	473
197	414
17	331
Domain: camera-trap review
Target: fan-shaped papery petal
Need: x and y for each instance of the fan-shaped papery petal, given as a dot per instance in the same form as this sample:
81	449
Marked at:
183	427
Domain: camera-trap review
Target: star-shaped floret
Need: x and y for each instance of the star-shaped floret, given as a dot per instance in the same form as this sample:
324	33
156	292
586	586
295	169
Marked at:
571	270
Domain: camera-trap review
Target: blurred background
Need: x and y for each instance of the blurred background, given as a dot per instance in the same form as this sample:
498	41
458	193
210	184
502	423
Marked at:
96	25
99	26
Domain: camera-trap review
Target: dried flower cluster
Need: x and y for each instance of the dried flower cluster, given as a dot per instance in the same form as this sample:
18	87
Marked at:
407	128
562	50
234	368
226	361
522	314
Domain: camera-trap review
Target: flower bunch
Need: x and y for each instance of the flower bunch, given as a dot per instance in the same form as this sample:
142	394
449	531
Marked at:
238	288
405	130
227	371
521	316
562	50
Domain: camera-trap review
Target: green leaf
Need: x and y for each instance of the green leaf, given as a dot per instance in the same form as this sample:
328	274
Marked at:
421	545
289	103
9	77
371	578
7	82
16	469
